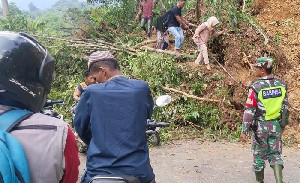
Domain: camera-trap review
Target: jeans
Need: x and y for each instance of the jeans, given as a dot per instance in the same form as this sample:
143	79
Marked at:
149	21
178	34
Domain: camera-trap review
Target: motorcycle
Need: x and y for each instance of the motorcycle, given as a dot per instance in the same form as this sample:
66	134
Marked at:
48	108
114	179
153	126
49	111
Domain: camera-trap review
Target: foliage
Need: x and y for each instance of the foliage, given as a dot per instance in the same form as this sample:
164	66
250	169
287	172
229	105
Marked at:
117	16
16	20
156	69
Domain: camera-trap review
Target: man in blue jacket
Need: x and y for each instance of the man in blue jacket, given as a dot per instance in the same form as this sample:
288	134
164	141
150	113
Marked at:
111	118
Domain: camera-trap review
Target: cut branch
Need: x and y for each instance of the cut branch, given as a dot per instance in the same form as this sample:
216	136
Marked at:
137	46
244	4
191	96
228	73
261	32
165	52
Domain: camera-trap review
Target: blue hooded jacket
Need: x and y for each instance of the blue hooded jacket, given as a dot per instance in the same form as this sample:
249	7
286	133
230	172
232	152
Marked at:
111	118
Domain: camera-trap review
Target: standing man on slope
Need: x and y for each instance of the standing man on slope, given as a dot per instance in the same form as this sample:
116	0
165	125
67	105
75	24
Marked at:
146	7
175	22
111	117
266	114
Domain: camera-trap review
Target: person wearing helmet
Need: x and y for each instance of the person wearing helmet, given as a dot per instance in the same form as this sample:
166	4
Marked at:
266	114
202	35
26	70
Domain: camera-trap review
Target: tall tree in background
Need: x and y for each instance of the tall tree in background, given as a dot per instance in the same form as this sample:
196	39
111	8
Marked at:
5	8
197	10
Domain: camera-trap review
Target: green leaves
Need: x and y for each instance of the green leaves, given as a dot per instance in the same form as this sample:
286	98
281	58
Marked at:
156	69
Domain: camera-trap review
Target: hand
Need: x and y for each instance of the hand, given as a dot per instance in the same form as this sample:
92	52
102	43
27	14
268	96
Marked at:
185	27
136	18
223	31
243	137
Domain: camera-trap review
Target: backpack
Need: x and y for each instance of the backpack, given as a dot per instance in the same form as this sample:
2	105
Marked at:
166	20
13	162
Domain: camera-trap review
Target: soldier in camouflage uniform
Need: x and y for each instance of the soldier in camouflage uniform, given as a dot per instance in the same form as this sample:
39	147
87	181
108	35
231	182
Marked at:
266	114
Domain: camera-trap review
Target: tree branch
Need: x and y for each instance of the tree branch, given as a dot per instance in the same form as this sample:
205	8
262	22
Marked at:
190	96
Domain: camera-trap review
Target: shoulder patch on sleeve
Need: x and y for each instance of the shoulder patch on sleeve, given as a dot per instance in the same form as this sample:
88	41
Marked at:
251	100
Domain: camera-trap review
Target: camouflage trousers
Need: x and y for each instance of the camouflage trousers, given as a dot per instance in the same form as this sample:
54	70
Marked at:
268	147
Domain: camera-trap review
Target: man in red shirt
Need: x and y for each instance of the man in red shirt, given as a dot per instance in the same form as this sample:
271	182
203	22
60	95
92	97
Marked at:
146	7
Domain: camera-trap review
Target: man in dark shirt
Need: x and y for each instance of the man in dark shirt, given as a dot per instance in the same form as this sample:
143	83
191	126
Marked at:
162	36
175	23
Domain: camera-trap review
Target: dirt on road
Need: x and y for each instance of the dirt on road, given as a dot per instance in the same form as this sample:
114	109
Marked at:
198	161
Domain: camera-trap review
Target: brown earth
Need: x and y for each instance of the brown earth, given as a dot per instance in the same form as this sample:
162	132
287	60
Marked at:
281	19
236	50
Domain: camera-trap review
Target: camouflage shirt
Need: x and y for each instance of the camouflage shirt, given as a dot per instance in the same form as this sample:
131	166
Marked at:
255	111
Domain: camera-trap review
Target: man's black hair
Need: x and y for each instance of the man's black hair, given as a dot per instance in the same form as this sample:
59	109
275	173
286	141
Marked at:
86	73
110	63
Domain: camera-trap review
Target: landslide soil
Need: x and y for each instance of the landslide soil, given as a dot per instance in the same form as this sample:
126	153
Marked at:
233	52
281	20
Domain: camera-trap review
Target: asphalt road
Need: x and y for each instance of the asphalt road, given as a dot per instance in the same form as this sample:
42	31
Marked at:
197	161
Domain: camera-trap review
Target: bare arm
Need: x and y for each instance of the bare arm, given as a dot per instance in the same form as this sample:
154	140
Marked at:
154	2
218	33
182	21
138	14
76	95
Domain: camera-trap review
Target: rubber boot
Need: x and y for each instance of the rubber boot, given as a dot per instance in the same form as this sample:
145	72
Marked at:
260	176
277	168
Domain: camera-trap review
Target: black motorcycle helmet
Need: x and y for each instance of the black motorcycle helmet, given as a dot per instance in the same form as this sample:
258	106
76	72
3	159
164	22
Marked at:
26	70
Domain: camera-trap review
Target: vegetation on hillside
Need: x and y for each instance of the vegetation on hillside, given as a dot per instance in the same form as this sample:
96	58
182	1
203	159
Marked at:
111	22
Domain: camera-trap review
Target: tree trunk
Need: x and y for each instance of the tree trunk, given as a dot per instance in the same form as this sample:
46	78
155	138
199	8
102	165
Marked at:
197	10
5	8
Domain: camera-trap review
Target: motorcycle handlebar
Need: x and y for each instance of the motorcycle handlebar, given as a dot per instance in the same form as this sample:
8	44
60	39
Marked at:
50	102
160	124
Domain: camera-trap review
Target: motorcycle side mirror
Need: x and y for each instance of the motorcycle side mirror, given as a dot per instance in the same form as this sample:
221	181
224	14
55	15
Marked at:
163	100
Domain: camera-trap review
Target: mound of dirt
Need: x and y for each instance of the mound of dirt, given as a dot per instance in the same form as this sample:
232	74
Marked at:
236	50
281	19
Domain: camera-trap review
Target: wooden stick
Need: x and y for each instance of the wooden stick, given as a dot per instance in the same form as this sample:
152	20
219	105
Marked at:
162	4
137	46
244	3
191	96
166	52
228	73
193	25
261	32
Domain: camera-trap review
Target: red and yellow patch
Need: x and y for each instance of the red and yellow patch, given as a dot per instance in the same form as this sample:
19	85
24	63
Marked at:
251	100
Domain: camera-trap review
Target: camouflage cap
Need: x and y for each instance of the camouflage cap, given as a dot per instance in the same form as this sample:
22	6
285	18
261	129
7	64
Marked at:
264	62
